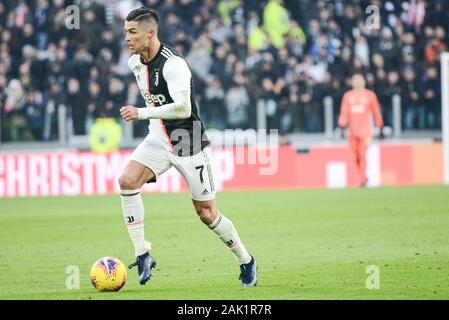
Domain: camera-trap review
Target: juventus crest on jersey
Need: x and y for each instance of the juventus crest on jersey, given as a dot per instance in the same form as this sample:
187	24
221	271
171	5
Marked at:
168	73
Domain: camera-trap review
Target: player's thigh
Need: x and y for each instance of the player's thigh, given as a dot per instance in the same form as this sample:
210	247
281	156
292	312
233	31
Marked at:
148	161
135	175
197	172
363	146
353	143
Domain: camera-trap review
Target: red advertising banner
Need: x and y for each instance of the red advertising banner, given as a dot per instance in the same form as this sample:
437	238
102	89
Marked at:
86	173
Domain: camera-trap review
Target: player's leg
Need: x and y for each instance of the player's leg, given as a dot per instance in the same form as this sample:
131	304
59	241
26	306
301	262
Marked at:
361	153
354	147
146	162
226	231
222	227
132	178
197	172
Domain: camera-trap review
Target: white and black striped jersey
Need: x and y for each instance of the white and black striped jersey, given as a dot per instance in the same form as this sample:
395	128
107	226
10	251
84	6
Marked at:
166	74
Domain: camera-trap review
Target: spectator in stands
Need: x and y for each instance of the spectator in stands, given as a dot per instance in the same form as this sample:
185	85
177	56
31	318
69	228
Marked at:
431	93
237	104
435	47
55	98
280	41
41	15
411	101
297	119
116	98
285	109
267	102
312	106
416	14
393	87
76	105
3	93
387	48
13	112
95	104
35	106
199	58
276	22
213	105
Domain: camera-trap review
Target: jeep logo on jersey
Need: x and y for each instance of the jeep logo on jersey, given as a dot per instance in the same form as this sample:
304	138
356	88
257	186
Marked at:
152	98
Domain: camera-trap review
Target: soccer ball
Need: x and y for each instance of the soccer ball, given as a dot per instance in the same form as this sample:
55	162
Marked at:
108	274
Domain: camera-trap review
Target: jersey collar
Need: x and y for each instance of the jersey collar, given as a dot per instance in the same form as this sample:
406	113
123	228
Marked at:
154	58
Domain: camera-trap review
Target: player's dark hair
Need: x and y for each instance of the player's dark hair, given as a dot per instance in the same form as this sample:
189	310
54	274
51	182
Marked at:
358	73
143	14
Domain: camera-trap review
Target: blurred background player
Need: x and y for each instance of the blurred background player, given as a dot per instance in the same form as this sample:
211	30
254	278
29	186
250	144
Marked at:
358	106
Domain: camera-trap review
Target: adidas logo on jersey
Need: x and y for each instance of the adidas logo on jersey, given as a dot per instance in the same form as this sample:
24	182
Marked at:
205	192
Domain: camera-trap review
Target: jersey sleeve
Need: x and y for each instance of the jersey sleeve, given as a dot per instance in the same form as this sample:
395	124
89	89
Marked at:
131	63
177	74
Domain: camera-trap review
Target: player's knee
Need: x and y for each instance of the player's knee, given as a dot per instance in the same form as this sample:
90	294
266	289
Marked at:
127	183
207	213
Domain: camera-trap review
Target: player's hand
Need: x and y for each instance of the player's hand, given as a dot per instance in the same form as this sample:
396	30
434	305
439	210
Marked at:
129	113
381	133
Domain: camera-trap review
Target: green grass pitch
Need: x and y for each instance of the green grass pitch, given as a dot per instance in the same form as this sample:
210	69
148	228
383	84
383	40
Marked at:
309	244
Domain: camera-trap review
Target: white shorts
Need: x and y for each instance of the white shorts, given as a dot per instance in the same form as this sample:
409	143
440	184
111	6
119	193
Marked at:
196	169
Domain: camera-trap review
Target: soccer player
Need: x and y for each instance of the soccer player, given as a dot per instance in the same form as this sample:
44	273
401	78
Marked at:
358	106
176	138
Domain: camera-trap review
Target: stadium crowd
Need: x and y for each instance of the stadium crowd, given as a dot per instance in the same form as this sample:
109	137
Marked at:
283	56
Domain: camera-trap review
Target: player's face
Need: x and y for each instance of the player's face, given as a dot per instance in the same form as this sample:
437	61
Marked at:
137	37
358	82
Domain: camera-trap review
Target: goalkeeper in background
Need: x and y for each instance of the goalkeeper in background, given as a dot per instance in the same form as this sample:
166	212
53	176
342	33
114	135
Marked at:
358	106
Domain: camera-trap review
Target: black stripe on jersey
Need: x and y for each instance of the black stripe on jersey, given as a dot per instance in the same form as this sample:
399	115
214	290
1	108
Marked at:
168	52
209	172
149	83
165	56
